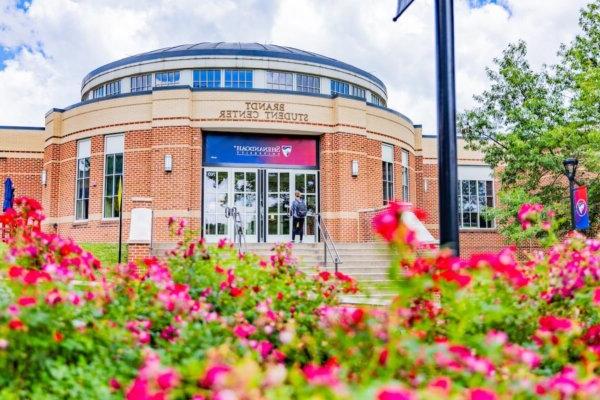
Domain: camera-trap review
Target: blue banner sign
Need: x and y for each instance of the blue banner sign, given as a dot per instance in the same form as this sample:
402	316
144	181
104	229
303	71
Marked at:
402	6
581	209
260	150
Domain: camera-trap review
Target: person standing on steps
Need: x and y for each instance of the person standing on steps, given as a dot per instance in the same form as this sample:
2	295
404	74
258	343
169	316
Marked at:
298	211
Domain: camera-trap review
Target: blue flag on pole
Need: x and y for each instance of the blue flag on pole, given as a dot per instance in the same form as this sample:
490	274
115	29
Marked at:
402	6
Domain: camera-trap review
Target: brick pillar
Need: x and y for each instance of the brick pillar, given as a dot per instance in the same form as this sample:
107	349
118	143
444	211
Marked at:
137	251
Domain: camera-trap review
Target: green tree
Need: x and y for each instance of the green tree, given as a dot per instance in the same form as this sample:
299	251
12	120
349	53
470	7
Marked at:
529	121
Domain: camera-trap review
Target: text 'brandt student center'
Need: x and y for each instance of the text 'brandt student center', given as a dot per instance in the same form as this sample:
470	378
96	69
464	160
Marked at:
193	129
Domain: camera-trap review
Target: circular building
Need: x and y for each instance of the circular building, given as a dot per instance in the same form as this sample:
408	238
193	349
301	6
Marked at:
192	131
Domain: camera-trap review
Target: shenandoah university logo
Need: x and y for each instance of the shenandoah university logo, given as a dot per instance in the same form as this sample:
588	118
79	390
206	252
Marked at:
286	150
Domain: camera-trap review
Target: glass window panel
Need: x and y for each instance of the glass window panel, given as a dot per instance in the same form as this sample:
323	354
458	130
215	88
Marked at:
210	180
222	199
272	182
239	201
222	181
211	202
250	202
239	181
300	180
284	203
272	224
285	224
110	164
284	182
311	183
250	181
118	163
272	202
250	224
311	203
108	186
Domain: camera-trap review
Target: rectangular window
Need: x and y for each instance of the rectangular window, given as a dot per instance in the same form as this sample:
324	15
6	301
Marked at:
82	194
238	78
474	196
207	78
98	92
339	87
377	100
141	83
280	80
113	174
308	83
405	177
358	92
387	163
113	88
167	78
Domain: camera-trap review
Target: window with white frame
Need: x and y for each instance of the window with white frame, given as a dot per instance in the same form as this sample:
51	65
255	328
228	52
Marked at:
82	187
280	80
339	87
166	78
387	163
207	78
238	78
308	83
377	100
405	177
98	92
113	174
112	88
141	83
357	91
474	197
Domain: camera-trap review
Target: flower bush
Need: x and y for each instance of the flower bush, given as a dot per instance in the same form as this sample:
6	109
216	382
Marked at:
210	323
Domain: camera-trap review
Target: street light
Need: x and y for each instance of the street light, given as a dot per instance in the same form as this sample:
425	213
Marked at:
570	165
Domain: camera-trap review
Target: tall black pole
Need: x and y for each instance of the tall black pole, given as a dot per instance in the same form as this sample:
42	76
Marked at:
446	119
120	221
572	197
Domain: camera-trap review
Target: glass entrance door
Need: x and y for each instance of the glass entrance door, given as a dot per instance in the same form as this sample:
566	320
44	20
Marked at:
305	182
225	188
278	206
245	189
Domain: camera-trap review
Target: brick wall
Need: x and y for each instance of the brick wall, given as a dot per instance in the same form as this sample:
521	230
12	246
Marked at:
25	174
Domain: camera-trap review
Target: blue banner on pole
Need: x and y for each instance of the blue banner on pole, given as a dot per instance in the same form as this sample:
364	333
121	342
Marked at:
402	6
582	211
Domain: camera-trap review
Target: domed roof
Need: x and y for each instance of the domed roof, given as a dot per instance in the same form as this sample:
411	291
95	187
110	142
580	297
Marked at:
233	49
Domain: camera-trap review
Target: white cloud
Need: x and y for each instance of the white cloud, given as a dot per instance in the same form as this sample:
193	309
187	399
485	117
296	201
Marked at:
59	41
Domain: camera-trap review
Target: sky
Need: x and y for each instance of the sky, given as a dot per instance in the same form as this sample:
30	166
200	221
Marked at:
48	46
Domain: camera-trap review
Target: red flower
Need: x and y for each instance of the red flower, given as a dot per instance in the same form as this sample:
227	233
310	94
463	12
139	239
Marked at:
58	337
386	223
324	275
420	214
597	296
592	335
551	324
114	384
236	292
27	301
16	325
15	272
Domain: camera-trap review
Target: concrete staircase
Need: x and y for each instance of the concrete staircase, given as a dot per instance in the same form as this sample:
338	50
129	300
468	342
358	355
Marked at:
368	263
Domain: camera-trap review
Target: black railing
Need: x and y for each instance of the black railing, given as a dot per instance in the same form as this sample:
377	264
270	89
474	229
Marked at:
329	249
239	236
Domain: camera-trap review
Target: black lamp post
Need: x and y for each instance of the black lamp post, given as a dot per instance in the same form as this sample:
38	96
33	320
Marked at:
570	165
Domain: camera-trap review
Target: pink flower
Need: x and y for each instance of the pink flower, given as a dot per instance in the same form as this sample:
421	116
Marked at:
325	375
3	344
114	384
167	380
169	333
552	324
214	374
597	296
442	384
244	330
53	297
264	347
394	393
529	213
482	394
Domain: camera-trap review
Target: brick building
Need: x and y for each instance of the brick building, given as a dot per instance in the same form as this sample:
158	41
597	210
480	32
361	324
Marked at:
193	130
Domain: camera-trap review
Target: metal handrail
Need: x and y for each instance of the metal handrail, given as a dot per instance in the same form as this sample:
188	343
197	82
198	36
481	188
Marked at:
239	236
328	244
